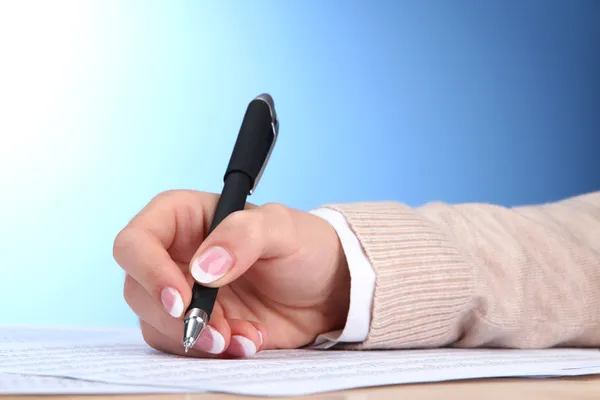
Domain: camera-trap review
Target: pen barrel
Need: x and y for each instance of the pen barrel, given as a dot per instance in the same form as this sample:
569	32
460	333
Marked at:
254	142
233	198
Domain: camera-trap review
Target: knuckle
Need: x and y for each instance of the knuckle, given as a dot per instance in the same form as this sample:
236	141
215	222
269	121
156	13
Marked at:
281	223
278	212
152	281
174	196
276	208
246	222
246	326
124	242
254	228
168	194
150	337
128	290
238	218
184	196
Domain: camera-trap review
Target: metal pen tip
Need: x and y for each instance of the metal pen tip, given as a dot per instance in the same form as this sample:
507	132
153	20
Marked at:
194	324
188	344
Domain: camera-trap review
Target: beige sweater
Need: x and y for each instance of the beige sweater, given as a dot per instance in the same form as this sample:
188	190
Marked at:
475	275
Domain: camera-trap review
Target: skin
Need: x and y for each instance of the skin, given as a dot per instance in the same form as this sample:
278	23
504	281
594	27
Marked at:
289	278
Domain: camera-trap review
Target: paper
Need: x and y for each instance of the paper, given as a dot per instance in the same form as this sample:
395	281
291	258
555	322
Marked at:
122	358
31	384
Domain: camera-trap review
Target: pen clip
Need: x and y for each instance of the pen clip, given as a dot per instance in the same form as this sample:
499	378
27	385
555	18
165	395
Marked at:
275	127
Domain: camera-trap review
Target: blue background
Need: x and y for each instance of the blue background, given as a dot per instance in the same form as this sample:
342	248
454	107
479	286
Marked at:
105	104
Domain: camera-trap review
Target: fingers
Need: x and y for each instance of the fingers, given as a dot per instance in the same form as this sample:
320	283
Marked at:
178	219
240	347
214	340
168	229
161	342
240	240
152	248
262	335
246	338
226	337
144	259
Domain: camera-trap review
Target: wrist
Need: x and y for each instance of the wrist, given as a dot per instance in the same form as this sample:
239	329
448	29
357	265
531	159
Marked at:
338	302
351	297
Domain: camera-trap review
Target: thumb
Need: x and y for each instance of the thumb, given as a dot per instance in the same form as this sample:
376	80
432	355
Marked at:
241	239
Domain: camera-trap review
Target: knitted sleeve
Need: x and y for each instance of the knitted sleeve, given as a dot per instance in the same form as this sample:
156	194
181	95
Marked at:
473	275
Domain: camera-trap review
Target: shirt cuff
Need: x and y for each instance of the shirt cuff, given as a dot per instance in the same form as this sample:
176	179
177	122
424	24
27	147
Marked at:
362	285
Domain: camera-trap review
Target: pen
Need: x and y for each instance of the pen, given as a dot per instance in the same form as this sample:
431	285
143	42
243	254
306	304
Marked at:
250	155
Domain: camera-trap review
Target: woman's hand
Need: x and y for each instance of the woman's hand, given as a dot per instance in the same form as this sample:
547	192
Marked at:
282	274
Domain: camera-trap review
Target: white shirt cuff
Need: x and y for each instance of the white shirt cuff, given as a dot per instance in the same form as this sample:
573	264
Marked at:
362	285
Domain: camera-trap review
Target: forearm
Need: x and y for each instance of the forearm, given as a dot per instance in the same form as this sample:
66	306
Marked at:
481	275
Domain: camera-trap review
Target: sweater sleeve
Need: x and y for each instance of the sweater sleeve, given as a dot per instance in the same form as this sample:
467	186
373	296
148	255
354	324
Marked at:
480	275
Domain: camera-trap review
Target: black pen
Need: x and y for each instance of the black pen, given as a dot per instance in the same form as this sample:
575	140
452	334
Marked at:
249	158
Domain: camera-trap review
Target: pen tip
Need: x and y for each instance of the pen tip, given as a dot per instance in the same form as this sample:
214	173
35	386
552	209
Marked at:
187	344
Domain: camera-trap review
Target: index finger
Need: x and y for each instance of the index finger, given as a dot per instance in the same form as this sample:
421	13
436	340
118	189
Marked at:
179	219
168	230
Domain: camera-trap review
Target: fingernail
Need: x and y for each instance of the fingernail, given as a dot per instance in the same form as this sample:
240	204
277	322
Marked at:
172	301
210	341
261	338
211	265
241	346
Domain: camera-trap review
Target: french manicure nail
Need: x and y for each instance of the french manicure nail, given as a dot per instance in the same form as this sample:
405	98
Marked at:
242	346
212	264
261	338
210	341
171	300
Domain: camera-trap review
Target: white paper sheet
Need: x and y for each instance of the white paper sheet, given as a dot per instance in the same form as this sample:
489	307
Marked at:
121	357
14	384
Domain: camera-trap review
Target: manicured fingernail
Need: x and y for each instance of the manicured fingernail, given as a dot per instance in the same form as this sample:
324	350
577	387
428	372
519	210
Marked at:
210	341
241	346
172	301
261	338
212	264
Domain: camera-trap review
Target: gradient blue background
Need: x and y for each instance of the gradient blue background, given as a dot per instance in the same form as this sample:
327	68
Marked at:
105	104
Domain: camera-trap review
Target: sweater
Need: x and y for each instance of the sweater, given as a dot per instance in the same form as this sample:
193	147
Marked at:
481	275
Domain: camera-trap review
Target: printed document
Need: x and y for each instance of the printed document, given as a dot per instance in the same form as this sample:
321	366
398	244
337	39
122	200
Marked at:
120	360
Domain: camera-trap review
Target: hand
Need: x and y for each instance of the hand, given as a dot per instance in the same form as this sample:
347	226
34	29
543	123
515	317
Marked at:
282	274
